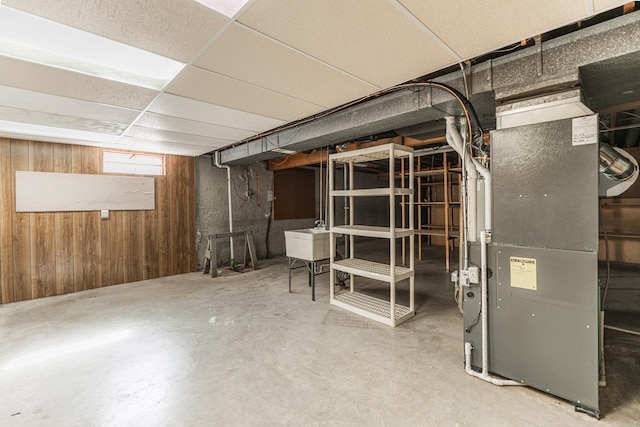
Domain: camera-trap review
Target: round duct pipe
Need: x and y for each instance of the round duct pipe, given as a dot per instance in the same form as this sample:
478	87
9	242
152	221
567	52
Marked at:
615	165
618	171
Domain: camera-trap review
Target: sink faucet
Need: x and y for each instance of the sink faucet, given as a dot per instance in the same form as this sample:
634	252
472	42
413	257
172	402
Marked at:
320	224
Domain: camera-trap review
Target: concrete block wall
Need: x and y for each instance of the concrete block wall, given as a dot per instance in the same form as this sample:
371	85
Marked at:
212	211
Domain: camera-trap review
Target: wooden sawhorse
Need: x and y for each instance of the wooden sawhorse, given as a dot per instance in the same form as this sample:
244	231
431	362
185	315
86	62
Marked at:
211	253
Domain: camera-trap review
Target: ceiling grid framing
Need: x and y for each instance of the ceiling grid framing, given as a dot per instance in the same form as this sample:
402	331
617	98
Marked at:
191	61
272	62
284	69
352	36
305	54
401	7
587	53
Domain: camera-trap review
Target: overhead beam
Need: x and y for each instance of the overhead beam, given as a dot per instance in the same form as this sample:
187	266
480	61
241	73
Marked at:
297	160
316	157
411	142
621	107
365	144
629	7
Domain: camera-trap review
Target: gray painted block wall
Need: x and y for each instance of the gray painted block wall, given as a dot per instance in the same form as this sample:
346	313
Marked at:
212	212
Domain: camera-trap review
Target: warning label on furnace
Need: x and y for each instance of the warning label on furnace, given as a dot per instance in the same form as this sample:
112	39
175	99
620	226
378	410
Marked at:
523	273
584	130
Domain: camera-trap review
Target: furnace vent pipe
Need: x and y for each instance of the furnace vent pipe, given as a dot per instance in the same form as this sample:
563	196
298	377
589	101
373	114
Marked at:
454	135
228	168
472	205
455	141
488	196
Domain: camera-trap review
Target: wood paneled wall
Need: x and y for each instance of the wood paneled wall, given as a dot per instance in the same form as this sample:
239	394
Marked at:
44	254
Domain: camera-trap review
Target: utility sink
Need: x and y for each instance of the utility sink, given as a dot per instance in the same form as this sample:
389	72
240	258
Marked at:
309	244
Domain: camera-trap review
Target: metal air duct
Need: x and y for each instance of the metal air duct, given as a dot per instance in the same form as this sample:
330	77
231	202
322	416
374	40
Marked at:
614	164
618	171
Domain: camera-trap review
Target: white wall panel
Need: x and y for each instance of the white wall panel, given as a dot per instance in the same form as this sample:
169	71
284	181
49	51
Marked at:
62	192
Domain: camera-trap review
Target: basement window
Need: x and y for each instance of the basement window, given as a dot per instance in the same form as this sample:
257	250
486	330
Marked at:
133	163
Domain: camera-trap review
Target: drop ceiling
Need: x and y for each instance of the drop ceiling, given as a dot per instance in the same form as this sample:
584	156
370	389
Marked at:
220	78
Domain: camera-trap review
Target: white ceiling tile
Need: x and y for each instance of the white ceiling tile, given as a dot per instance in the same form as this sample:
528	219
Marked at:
203	85
176	124
53	134
604	5
285	60
226	7
54	81
370	39
53	104
178	106
169	136
473	28
177	29
128	143
60	121
282	69
35	39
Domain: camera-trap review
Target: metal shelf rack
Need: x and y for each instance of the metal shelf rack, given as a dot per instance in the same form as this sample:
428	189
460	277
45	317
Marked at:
438	203
384	311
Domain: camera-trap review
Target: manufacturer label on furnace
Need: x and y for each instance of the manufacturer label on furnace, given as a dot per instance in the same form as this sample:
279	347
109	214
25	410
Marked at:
584	130
523	273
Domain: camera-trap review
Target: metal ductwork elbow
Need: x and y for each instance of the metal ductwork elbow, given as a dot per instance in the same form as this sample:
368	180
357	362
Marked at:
614	164
618	171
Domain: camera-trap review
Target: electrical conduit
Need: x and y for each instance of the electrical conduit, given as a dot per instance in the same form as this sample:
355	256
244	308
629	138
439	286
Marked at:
488	212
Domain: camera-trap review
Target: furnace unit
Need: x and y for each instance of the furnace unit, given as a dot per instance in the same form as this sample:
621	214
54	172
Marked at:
537	256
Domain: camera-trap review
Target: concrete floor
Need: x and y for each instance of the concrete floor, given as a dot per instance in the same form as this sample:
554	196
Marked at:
240	350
